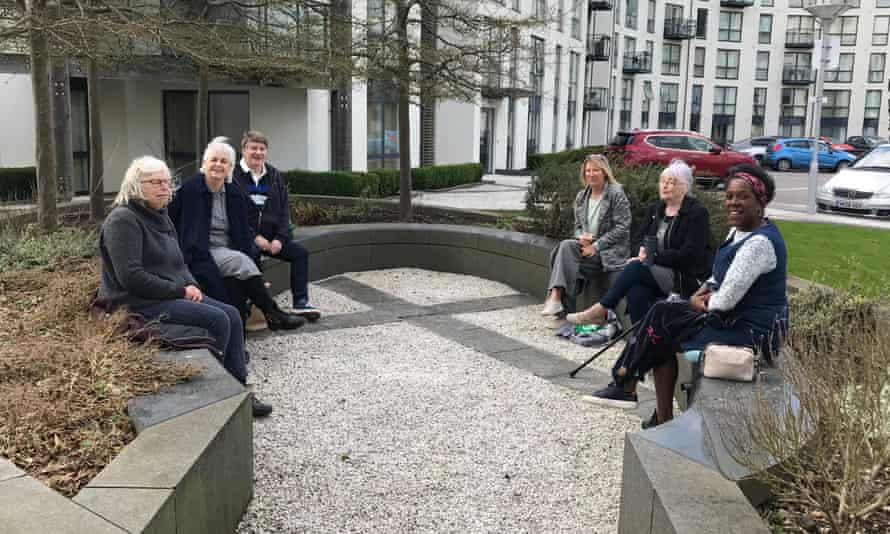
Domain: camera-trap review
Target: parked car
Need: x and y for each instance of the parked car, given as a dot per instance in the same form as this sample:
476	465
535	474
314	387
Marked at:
836	146
711	161
863	188
755	146
863	143
795	153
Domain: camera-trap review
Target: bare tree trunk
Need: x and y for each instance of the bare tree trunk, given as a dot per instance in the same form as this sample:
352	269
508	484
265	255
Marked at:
47	215
404	114
97	186
201	111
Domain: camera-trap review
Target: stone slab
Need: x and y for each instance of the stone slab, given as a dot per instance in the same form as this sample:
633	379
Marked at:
147	511
537	362
482	305
357	291
9	470
213	384
28	507
637	495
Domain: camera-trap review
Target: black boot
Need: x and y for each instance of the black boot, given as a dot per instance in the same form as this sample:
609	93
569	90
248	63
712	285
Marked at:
260	409
275	317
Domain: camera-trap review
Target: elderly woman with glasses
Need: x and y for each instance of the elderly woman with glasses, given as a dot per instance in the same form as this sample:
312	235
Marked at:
600	244
210	214
144	270
674	254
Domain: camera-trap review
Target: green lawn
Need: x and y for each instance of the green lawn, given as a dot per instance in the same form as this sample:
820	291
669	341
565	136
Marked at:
845	257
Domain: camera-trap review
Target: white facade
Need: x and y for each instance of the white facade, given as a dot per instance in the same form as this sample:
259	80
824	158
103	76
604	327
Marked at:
715	33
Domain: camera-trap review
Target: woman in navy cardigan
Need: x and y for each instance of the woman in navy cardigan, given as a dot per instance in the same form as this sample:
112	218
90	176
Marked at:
210	216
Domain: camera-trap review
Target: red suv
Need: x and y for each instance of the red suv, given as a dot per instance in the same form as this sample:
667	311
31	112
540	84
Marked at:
709	160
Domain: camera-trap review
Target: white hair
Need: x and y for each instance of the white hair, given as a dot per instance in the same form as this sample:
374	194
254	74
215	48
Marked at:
131	186
680	171
220	144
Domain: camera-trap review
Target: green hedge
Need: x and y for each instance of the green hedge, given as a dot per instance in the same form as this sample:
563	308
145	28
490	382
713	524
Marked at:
18	183
380	182
536	161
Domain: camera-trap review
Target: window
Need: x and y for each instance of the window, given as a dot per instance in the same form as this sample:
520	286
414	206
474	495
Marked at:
761	70
698	144
576	21
882	3
872	113
794	111
574	66
650	49
723	120
845	28
701	24
876	68
630	18
758	112
228	114
557	74
879	30
765	33
647	98
667	115
698	66
376	17
766	3
540	9
383	126
670	59
730	28
799	30
536	77
650	17
843	72
516	5
673	12
728	64
835	113
562	16
676	142
795	3
627	98
616	9
80	136
695	111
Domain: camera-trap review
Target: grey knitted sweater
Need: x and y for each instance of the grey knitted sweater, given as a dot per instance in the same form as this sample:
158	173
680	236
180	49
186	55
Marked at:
141	260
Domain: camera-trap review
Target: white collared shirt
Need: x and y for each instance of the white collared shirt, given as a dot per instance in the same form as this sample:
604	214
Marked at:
256	177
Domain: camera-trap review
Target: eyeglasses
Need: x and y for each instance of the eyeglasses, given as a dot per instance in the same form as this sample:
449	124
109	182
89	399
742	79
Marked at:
157	182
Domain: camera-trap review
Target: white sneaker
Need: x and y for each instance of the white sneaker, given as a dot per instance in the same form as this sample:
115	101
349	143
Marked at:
551	307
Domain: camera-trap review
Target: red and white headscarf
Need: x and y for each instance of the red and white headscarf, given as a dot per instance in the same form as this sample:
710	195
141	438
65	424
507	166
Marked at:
757	186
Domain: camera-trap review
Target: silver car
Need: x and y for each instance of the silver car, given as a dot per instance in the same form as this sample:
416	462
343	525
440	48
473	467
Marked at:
862	189
755	146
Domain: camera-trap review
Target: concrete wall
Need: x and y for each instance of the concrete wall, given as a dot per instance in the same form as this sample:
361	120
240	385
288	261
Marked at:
457	132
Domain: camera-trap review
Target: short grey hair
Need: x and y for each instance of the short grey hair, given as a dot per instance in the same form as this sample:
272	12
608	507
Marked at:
131	186
220	144
681	171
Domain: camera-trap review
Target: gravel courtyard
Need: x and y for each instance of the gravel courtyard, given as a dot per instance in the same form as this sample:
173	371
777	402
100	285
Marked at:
430	402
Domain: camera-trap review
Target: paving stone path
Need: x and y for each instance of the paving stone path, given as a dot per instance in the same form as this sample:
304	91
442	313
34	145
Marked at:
431	402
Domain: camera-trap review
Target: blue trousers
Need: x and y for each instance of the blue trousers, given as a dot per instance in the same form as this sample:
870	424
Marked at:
637	284
298	257
221	320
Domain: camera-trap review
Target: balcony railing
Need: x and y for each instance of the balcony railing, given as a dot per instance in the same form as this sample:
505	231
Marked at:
638	63
799	39
600	5
596	98
599	47
792	75
736	3
679	29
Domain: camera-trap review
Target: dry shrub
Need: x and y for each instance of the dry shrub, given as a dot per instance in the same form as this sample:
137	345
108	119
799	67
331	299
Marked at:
309	214
834	450
65	379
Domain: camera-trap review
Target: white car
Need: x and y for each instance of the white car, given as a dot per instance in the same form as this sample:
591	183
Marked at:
755	146
861	189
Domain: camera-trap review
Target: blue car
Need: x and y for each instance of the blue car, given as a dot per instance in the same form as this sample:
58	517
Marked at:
795	153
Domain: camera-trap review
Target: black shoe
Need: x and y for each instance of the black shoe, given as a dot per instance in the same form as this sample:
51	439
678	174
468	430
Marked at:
246	357
278	320
260	409
310	313
614	396
652	421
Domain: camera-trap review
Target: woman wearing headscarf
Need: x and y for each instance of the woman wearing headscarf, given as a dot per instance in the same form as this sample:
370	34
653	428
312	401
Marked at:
744	303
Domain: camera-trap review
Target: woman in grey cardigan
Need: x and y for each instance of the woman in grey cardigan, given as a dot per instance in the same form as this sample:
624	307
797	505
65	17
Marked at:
602	234
143	268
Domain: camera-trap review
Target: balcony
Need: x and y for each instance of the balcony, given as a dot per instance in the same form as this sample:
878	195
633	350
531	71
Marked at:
736	3
679	29
596	98
599	47
792	75
600	5
639	63
799	39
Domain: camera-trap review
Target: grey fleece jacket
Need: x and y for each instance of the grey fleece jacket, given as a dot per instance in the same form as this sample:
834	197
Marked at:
141	260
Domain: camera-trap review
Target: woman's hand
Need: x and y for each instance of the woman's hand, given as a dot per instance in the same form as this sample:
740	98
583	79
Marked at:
640	257
274	247
193	294
699	301
585	239
588	250
262	243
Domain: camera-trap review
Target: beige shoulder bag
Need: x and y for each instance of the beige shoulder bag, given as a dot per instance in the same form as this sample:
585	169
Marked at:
730	363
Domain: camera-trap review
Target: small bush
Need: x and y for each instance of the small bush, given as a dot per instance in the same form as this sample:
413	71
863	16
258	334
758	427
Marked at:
380	182
335	183
18	183
576	155
308	214
25	249
817	312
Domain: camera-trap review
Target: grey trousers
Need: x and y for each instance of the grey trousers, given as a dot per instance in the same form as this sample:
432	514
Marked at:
568	266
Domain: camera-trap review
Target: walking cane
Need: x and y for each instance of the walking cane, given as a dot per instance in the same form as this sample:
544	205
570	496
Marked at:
607	347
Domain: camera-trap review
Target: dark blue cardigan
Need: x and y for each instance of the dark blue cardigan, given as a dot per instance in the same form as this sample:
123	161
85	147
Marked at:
190	211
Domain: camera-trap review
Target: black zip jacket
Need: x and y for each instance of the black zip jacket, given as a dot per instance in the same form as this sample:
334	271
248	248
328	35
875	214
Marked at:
271	218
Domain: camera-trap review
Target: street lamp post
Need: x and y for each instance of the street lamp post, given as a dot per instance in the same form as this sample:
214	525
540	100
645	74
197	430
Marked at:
826	13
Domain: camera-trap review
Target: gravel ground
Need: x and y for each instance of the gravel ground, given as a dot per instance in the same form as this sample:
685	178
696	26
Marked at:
393	429
425	288
329	302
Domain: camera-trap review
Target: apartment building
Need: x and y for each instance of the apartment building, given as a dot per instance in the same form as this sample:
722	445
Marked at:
732	69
